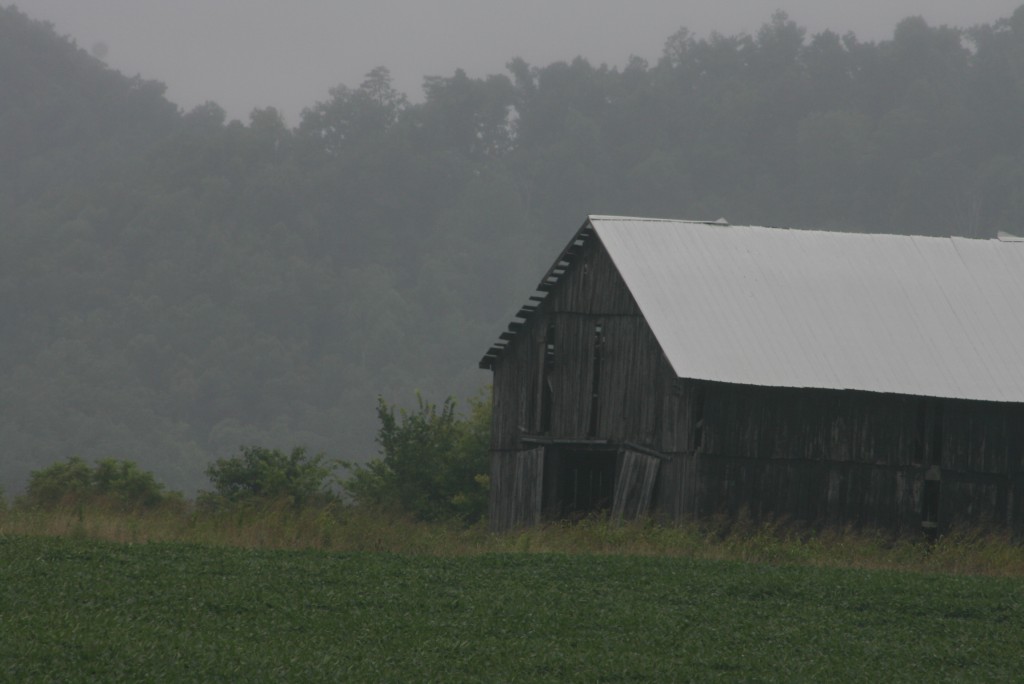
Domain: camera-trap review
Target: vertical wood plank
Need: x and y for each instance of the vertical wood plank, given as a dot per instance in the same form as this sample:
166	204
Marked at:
634	485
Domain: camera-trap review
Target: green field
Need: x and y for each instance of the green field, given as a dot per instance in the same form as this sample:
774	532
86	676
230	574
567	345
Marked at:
82	610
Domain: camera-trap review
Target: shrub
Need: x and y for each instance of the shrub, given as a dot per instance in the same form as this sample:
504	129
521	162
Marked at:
115	483
263	474
433	463
126	484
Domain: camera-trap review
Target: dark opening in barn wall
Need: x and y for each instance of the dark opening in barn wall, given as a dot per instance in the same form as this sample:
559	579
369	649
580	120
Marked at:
571	480
582	480
595	379
578	481
546	389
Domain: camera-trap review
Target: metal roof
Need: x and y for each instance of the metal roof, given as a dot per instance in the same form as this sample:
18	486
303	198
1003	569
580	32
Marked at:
927	316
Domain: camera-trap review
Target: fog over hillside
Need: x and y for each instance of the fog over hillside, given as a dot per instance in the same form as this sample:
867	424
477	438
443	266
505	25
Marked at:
256	53
175	283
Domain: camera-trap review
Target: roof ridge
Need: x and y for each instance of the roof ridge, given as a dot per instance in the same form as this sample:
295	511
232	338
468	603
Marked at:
1000	237
612	217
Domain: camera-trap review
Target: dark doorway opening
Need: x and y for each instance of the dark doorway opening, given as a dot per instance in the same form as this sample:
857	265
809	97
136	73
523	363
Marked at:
578	482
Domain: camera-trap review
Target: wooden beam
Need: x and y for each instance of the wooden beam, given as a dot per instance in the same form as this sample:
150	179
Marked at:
557	441
644	450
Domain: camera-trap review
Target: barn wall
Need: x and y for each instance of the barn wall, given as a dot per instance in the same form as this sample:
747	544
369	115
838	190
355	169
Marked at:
982	463
840	458
591	294
629	375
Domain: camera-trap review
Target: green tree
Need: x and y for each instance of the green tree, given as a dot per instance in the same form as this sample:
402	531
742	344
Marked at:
65	483
111	482
126	484
350	116
433	462
263	474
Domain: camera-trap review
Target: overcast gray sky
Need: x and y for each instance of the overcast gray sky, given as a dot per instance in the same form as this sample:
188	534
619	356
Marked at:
255	53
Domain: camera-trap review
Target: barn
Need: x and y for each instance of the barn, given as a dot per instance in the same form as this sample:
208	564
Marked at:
685	369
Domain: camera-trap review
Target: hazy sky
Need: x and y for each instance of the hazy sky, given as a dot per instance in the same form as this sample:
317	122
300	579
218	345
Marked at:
255	53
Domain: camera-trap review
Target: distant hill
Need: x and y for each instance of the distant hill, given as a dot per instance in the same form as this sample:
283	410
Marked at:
174	285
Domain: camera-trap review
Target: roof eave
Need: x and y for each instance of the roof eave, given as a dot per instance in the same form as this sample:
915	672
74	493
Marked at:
559	268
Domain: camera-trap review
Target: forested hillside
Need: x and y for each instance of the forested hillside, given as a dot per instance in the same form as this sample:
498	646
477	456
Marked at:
174	285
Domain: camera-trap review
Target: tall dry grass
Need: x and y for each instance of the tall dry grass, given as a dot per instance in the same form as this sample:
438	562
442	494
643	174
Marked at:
278	525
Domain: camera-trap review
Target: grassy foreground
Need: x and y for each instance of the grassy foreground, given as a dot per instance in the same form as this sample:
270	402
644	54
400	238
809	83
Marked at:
84	610
353	529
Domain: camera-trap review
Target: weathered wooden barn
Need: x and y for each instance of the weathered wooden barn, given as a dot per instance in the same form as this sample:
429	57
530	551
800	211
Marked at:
681	369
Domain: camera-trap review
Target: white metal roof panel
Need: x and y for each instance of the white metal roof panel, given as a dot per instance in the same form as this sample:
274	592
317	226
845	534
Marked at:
915	315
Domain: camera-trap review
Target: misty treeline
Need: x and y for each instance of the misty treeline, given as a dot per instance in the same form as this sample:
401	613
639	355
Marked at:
174	284
431	468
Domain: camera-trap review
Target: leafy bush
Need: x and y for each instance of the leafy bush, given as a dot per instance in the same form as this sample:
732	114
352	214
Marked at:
433	462
263	474
116	483
124	482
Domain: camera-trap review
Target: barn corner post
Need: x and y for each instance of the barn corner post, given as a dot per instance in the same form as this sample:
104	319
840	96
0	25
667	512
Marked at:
655	371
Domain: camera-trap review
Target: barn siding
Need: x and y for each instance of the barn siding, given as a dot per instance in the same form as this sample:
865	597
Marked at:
628	409
844	457
574	308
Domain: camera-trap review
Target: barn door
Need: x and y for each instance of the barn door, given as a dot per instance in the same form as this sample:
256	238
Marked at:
634	486
527	487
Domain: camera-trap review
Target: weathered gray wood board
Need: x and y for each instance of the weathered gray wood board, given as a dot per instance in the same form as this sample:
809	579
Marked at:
634	486
516	489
